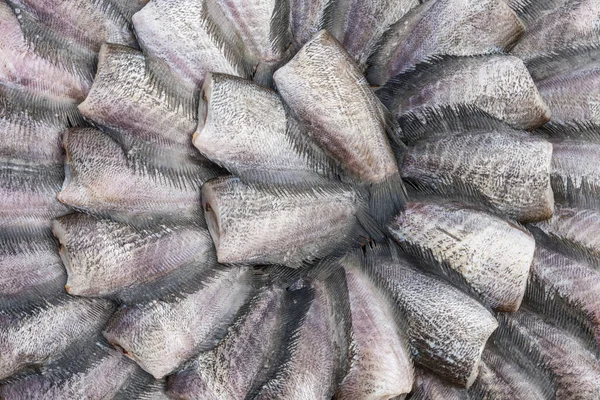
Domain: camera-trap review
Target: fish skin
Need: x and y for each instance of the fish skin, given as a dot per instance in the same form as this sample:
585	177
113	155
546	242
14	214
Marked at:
529	11
447	329
28	194
191	38
23	69
246	129
40	335
490	82
575	175
382	366
502	379
572	370
444	27
573	24
319	352
91	23
153	124
29	133
315	84
229	371
161	335
263	26
571	231
359	25
100	377
279	225
430	387
129	7
578	86
505	171
493	255
99	180
105	258
306	19
567	278
30	267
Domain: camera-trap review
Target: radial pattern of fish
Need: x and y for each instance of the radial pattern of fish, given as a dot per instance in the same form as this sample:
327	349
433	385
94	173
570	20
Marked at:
300	199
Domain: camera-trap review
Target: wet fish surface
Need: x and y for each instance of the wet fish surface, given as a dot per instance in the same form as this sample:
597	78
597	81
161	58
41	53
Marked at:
444	27
245	128
163	334
283	225
482	162
34	336
447	329
105	258
343	115
491	254
490	82
228	371
100	180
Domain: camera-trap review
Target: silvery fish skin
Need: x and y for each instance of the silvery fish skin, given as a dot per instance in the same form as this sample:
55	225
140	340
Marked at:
99	377
572	231
572	95
572	370
382	366
100	180
500	378
30	267
28	194
245	128
37	336
229	371
359	25
146	119
429	387
349	125
129	7
278	225
30	133
575	173
498	84
25	70
191	38
491	254
571	25
319	352
556	275
506	171
105	258
89	23
161	335
529	11
444	27
307	17
447	329
263	26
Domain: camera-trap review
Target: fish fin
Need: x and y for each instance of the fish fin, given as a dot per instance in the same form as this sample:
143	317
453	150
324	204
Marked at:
43	108
220	29
280	33
387	198
563	60
583	194
564	246
581	130
298	301
447	120
299	135
508	336
566	313
51	46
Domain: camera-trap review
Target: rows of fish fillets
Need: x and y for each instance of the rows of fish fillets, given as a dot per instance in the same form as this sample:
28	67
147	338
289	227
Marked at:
201	272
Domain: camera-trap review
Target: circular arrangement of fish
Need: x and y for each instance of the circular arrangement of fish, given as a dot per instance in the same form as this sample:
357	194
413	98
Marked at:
300	199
